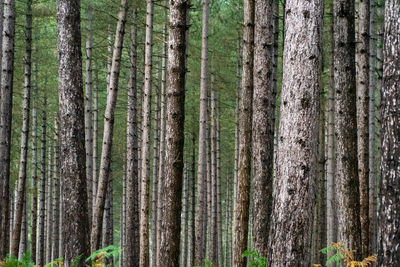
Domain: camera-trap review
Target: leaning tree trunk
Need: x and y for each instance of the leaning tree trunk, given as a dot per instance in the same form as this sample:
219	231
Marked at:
347	184
75	218
131	250
362	102
241	212
263	122
24	133
89	112
202	164
5	121
34	166
145	142
42	190
296	170
105	164
389	235
169	255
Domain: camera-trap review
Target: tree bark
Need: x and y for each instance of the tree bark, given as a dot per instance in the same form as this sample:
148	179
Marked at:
49	204
105	164
95	111
202	164
389	236
22	175
131	250
241	212
185	218
75	218
6	95
347	184
56	215
296	170
264	99
174	137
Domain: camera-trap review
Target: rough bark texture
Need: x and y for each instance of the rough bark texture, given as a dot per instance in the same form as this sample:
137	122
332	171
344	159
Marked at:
362	80
296	170
169	255
202	164
88	112
72	133
22	175
263	123
145	141
6	94
131	250
347	184
105	164
241	212
389	219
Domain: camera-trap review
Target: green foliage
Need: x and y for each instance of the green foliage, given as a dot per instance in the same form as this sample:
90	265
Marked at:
337	248
12	261
56	263
255	259
97	257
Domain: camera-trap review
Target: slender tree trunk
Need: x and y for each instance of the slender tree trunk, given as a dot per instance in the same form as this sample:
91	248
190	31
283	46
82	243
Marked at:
219	200
347	185
56	204
105	164
296	171
193	204
24	134
174	137
263	122
49	203
185	211
107	231
6	93
34	165
122	225
131	250
89	112
241	213
389	236
95	111
23	243
202	164
75	218
145	142
362	79
163	117
42	190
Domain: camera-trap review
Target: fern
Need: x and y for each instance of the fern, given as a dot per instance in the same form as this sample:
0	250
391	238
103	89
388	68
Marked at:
12	261
98	256
347	255
56	263
256	259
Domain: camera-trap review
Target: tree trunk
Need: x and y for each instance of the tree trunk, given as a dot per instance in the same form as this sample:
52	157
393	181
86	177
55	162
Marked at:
174	137
202	164
241	213
24	133
296	171
107	231
75	218
185	220
145	142
95	111
23	243
347	184
193	205
6	93
89	112
49	203
131	250
264	99
389	236
34	166
56	216
362	79
105	164
42	190
219	200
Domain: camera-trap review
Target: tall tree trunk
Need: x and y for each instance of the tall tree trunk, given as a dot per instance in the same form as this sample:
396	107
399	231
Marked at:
169	254
122	220
75	218
56	204
131	250
163	117
241	212
264	99
185	220
219	200
23	243
107	231
362	79
193	205
202	164
145	142
389	236
105	164
34	165
296	171
24	133
347	184
95	110
42	190
6	93
49	203
89	112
